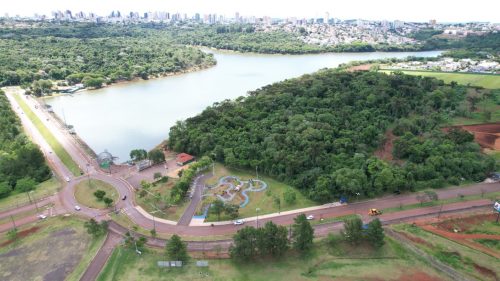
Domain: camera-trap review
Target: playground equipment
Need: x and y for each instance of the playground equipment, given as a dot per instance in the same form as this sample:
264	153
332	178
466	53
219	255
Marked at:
228	194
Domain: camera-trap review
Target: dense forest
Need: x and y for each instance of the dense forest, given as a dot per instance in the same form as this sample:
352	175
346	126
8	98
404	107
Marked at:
319	133
22	164
90	53
94	54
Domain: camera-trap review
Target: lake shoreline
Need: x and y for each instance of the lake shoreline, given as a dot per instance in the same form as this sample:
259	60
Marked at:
137	79
140	113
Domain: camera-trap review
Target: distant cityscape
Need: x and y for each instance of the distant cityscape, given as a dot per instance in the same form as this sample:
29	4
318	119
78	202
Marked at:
326	30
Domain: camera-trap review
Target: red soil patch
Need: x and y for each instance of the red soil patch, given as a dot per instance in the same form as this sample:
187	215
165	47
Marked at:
385	151
466	239
465	223
419	275
415	239
363	67
487	135
485	271
21	234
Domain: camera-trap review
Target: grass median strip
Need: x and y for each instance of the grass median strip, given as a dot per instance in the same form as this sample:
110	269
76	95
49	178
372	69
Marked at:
49	137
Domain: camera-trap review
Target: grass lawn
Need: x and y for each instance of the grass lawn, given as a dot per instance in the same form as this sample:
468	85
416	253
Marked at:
44	189
56	249
343	262
461	257
264	199
156	201
84	193
493	244
488	81
49	137
21	215
491	196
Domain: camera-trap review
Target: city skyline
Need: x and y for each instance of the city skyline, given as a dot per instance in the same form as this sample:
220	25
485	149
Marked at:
442	11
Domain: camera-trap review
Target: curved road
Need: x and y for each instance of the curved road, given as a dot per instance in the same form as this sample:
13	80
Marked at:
67	199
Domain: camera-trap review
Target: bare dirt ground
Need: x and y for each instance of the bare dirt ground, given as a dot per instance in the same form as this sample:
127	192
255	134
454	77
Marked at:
455	229
418	275
363	67
21	235
385	151
50	258
487	135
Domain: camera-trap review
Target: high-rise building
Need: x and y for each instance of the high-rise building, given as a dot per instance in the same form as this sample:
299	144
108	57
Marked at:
237	17
432	22
327	17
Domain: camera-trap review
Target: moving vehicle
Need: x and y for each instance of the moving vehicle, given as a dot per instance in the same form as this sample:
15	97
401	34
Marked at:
77	208
310	217
67	179
42	216
124	197
374	212
239	222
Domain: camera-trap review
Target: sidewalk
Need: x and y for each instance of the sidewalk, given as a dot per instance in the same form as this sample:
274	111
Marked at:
200	222
150	217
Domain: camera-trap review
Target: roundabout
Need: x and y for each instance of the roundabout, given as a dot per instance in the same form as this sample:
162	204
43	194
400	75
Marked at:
85	194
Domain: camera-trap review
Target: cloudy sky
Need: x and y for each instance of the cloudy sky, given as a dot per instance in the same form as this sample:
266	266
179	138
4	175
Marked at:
416	10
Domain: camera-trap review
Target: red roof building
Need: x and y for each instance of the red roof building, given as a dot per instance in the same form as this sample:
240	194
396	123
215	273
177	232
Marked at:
183	158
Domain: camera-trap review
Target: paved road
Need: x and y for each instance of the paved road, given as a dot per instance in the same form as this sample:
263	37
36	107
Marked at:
128	207
102	256
198	185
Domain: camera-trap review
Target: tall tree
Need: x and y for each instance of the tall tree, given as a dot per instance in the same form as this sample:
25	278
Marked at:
176	249
353	230
302	234
245	244
217	208
375	233
272	240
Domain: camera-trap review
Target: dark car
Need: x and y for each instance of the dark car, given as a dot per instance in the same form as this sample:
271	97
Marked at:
124	197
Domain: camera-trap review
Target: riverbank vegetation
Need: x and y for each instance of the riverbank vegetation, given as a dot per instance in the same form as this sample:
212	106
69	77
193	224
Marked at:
91	54
22	165
319	132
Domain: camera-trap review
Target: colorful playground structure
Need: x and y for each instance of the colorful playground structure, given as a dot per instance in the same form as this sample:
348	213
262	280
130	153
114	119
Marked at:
232	186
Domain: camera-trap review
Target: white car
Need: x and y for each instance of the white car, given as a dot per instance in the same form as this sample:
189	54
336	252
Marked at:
67	179
77	208
310	217
239	222
42	216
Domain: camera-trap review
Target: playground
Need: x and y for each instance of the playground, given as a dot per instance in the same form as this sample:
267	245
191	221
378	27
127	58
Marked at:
244	189
233	190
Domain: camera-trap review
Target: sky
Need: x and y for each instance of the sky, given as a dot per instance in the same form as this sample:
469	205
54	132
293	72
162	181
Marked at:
415	10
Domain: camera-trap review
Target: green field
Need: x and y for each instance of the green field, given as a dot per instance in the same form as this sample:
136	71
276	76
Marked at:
56	249
488	81
342	262
49	137
264	199
42	190
84	193
460	257
156	201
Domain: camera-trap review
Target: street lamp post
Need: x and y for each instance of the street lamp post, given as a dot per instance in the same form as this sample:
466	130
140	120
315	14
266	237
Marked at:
88	175
36	205
356	206
257	210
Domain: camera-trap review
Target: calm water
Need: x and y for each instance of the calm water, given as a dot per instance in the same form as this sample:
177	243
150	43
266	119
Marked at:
139	114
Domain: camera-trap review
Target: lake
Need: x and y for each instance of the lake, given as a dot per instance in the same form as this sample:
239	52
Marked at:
139	114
